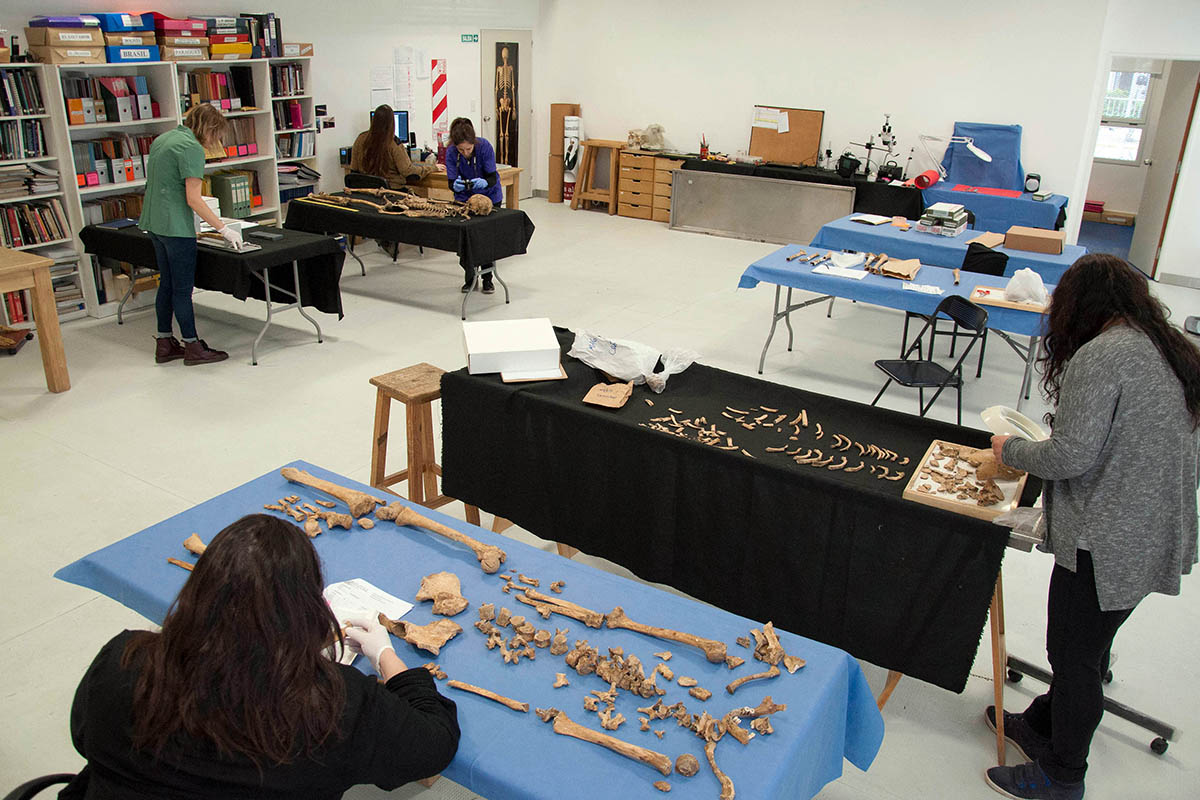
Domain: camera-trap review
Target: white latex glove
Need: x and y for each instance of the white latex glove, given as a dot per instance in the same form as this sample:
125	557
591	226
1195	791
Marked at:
233	236
369	637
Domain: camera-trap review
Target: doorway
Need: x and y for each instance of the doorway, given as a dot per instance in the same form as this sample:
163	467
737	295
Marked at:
1145	125
505	78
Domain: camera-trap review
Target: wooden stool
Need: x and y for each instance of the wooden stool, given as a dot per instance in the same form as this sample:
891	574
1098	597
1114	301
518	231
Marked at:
417	387
587	173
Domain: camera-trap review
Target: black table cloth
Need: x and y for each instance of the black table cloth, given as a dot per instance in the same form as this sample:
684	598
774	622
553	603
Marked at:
841	558
870	197
477	240
319	260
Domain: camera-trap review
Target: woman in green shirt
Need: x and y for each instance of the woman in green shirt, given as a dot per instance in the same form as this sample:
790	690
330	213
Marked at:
174	170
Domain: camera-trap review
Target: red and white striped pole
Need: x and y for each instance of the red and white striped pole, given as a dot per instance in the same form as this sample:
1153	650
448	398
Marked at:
441	122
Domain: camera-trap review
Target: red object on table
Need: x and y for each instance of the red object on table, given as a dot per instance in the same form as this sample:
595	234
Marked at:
962	187
927	178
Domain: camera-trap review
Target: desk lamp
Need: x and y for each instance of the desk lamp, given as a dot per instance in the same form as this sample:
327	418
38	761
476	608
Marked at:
967	140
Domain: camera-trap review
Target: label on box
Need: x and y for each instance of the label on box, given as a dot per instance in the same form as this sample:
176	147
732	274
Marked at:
129	53
131	41
63	36
609	395
80	53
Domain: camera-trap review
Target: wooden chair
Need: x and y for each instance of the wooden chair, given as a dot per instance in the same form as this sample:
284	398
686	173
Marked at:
587	173
417	387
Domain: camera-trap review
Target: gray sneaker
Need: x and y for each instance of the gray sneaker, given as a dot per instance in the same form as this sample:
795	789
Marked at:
1030	744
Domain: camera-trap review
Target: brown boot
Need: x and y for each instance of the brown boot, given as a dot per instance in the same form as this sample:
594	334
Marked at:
198	352
167	348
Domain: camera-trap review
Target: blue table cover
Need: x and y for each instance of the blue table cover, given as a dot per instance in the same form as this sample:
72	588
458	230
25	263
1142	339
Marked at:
831	714
889	292
930	248
997	213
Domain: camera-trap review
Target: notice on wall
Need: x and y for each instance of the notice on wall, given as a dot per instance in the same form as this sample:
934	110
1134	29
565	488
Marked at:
782	125
767	118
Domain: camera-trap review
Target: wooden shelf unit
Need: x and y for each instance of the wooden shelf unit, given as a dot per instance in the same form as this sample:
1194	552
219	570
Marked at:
645	181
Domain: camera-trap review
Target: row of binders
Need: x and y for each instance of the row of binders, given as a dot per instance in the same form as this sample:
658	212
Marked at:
116	206
296	145
110	160
112	98
22	138
20	93
231	90
26	224
287	79
289	115
236	190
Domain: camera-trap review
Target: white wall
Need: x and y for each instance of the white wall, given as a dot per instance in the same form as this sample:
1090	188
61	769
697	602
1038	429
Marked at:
349	38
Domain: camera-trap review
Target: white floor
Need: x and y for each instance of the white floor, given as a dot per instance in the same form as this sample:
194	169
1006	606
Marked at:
132	443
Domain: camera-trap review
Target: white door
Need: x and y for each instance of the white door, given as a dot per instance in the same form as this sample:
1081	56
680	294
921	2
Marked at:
1163	164
506	110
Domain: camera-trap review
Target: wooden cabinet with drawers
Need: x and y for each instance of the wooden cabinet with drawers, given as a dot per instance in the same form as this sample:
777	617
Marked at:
644	189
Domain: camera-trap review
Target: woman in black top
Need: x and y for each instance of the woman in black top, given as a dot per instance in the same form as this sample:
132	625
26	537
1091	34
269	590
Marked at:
235	699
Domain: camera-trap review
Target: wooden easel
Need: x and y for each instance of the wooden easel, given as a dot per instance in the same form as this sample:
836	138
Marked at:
585	190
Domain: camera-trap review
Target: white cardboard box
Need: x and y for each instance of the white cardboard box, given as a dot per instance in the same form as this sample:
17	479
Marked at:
515	345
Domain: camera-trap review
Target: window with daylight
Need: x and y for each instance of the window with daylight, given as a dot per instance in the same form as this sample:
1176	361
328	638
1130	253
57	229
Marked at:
1123	117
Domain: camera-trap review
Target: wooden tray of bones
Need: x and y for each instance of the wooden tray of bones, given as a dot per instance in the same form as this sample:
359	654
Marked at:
965	480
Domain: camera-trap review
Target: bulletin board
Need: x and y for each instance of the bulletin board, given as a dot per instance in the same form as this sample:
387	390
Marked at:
800	144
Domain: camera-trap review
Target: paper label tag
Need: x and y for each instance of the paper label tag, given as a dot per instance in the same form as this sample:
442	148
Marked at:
131	40
80	53
130	52
609	395
74	37
131	20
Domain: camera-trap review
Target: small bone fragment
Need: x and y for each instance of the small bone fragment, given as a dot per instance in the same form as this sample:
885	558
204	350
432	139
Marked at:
659	733
768	648
193	545
490	695
487	612
359	502
665	655
565	726
744	641
504	576
649	402
294	513
531	581
662	786
542	638
526	629
838	465
610	721
490	557
591	704
685	681
310	508
292	498
727	792
274	507
334	519
558	645
557	586
735	685
861	464
517	621
793	663
733	727
429	637
532	597
504	617
325	503
366	523
529	652
179	563
700	693
713	650
546	714
435	671
560	680
444	589
763	726
644	722
820	432
665	671
486	627
312	526
687	765
733	662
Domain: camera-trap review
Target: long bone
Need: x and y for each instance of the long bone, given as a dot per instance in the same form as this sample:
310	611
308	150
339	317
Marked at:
360	502
714	651
490	557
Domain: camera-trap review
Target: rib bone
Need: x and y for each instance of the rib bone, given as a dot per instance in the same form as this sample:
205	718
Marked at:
360	502
713	650
490	695
771	673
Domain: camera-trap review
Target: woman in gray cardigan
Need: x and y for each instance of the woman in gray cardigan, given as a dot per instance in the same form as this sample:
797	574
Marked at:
1121	470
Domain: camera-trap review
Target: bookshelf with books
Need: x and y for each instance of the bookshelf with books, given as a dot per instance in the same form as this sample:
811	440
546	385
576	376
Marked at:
33	205
292	114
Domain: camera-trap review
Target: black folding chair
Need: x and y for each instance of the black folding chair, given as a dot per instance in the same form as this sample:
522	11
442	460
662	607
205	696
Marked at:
921	373
31	789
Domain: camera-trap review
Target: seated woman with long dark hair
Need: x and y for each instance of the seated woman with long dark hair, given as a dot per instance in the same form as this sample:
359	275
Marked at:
234	698
376	152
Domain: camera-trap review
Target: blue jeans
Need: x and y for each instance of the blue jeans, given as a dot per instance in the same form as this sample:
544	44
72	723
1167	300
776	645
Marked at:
176	256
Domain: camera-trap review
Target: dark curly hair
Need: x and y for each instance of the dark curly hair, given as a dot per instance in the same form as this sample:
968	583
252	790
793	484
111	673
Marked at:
1098	290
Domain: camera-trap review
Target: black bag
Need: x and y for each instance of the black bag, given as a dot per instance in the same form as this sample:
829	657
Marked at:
984	260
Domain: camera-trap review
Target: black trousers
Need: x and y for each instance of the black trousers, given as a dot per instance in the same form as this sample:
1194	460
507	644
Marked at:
1078	639
470	272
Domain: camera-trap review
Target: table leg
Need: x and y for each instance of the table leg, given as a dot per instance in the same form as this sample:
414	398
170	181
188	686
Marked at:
613	178
496	275
513	200
1027	376
383	412
414	423
999	663
361	265
893	679
45	316
770	335
472	513
266	279
566	551
467	295
500	524
787	318
428	448
300	301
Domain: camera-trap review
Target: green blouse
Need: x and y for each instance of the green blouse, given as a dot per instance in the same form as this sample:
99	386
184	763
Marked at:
174	157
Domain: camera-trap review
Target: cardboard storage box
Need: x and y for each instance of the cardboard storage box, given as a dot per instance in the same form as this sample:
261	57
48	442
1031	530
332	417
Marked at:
63	37
129	39
297	49
125	55
68	55
1035	240
172	53
5	55
1093	216
112	23
511	346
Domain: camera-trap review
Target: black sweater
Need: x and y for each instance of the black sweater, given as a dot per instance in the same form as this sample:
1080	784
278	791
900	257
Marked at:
390	735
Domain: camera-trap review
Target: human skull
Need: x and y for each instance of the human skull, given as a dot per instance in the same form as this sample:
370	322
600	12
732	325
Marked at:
479	205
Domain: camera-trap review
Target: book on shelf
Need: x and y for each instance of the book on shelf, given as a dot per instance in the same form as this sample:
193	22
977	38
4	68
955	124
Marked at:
27	224
296	145
22	138
241	138
17	307
289	115
20	93
287	79
216	87
107	98
19	180
119	158
265	31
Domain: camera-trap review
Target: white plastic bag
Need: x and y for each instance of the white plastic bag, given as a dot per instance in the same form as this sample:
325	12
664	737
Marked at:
630	361
1026	286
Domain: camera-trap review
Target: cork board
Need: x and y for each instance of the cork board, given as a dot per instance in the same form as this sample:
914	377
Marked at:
801	143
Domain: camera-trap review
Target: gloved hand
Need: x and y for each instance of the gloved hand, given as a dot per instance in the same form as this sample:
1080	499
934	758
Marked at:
369	637
233	236
459	185
478	184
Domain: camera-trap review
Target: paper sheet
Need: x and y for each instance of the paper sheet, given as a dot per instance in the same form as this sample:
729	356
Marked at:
358	598
782	125
766	118
381	77
923	288
840	272
381	97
